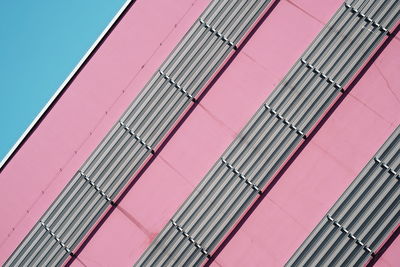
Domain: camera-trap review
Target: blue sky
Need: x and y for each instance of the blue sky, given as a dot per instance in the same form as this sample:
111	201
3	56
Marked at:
40	43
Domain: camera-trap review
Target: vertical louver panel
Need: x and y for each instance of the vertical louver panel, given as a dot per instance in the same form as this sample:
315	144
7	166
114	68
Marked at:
363	216
273	133
136	135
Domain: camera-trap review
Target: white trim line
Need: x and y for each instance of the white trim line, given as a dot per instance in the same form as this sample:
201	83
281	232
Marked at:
66	81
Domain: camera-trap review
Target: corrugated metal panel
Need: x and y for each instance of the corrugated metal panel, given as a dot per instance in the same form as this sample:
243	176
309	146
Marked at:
363	216
145	123
236	180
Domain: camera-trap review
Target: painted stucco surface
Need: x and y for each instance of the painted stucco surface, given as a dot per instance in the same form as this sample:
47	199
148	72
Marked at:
233	99
391	256
284	218
322	171
88	109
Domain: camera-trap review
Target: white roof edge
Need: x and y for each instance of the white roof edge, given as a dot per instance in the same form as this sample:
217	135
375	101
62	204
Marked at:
66	81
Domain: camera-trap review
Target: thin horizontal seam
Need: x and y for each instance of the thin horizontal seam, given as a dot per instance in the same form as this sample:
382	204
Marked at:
136	136
218	34
285	121
359	13
323	75
196	244
387	167
92	184
169	79
55	237
350	235
241	176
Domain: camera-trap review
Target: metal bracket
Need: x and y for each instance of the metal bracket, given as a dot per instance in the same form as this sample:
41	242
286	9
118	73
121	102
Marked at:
285	121
242	176
169	79
350	235
56	237
136	136
196	244
218	34
323	75
389	169
374	23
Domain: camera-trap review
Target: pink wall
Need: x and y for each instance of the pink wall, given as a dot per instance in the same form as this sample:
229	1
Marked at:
391	256
323	170
88	109
205	135
279	224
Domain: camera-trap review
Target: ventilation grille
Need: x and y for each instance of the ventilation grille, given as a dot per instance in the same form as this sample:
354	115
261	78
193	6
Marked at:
132	139
362	218
280	125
